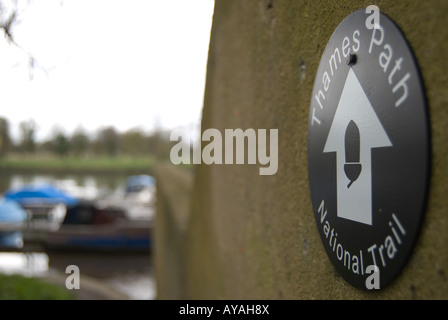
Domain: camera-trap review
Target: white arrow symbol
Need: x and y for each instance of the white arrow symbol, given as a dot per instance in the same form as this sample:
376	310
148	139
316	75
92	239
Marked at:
354	111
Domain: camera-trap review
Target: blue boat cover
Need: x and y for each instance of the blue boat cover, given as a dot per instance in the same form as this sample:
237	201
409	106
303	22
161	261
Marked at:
46	194
139	182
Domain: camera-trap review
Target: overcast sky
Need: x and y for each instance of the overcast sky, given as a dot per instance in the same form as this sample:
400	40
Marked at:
129	64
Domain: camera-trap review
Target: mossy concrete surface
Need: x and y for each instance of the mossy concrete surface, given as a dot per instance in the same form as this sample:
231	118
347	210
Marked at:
254	237
172	206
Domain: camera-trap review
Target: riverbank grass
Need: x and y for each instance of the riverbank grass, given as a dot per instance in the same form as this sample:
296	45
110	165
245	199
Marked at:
94	164
17	287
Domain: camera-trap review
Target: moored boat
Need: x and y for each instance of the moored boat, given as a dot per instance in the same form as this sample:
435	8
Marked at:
87	226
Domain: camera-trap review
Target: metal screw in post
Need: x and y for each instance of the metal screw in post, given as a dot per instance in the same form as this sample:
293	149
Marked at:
351	59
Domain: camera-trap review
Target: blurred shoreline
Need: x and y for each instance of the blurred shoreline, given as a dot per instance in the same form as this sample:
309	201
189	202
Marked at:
52	164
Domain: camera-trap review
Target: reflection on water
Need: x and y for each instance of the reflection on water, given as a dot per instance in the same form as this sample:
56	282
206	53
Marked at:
79	185
130	274
134	285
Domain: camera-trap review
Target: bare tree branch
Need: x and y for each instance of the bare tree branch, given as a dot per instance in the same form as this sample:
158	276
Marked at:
9	17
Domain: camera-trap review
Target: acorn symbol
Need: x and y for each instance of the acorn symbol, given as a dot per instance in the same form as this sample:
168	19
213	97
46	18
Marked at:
352	166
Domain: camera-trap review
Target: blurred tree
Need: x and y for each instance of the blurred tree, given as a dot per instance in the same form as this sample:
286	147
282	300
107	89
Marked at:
108	141
159	144
5	139
45	147
27	136
10	12
8	18
79	142
153	141
133	143
61	144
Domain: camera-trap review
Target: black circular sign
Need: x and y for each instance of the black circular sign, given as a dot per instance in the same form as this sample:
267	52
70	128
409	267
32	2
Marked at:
368	150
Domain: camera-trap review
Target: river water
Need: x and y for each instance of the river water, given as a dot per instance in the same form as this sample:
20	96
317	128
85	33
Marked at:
129	274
